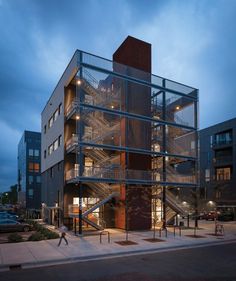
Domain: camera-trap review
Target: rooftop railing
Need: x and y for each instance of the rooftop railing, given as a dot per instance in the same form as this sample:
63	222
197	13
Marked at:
111	66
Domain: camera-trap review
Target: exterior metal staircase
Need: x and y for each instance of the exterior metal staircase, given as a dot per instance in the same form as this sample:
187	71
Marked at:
102	191
173	206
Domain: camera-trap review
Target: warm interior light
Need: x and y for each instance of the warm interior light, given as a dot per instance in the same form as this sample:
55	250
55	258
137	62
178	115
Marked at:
78	82
77	117
177	107
112	106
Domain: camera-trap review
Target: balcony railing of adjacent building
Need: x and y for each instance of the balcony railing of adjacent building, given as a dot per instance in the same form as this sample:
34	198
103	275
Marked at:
222	160
222	143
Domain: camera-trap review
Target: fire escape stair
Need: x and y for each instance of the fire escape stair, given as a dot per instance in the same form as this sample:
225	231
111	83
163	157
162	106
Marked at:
173	207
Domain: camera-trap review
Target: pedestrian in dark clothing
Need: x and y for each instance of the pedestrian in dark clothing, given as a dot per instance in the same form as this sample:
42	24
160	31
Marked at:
63	236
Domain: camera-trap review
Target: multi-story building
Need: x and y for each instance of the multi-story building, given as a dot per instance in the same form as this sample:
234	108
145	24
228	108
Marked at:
116	140
29	174
218	166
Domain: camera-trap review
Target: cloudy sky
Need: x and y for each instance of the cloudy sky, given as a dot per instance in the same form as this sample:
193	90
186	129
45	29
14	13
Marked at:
193	42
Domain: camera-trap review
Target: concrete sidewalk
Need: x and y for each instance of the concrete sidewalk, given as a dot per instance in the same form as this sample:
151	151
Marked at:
34	254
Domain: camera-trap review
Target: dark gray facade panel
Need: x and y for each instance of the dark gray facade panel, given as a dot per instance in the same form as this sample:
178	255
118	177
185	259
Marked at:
52	185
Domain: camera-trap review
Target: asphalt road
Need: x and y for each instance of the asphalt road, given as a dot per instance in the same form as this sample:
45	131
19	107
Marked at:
216	263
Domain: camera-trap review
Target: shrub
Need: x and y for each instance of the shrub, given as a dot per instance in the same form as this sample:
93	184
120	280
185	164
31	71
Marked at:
14	237
41	230
37	236
52	235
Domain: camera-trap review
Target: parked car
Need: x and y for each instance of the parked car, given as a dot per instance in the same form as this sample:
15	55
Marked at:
6	215
7	225
226	216
210	216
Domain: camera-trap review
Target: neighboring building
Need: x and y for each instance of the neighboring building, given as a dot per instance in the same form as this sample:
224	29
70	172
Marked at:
117	141
218	166
29	173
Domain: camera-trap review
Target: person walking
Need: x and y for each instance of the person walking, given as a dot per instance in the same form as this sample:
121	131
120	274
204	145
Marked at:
63	235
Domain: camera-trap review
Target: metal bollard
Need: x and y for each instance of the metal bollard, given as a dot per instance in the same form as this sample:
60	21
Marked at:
108	236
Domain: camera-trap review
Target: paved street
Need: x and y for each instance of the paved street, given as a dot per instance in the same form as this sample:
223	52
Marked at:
216	263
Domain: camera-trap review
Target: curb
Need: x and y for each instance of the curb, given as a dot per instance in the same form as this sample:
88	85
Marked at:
35	264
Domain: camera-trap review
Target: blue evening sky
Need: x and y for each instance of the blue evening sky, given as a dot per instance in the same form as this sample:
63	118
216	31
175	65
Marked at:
193	42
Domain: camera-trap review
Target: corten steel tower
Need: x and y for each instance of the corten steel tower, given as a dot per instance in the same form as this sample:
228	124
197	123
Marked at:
136	54
116	138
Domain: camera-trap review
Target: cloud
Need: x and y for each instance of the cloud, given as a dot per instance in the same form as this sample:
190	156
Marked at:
193	42
9	139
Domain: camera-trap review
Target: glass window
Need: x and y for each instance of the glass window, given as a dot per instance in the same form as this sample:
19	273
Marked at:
55	115
36	167
45	129
36	153
50	122
59	141
50	149
31	152
51	172
31	179
207	175
45	153
31	167
55	144
223	174
38	179
223	138
31	192
211	140
60	108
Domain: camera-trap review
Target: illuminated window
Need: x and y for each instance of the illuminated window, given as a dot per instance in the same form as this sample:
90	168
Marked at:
31	167
207	175
218	194
223	174
36	153
36	167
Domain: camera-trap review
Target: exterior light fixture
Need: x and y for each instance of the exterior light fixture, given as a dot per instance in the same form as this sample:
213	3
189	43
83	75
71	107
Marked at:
77	117
112	106
177	107
78	82
184	202
211	202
